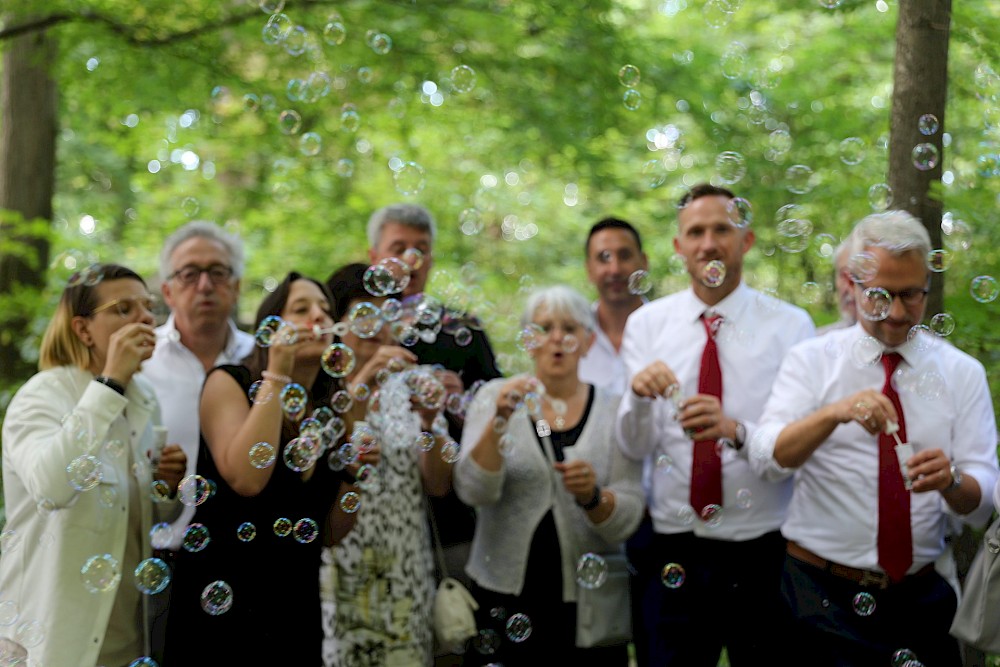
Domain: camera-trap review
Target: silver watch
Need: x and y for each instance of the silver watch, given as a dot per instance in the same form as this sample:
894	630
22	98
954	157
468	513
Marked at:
956	478
741	436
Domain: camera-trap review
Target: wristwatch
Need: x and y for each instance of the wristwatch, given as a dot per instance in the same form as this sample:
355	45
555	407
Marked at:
741	436
956	478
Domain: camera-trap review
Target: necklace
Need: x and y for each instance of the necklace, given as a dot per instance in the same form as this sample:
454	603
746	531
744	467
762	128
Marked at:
559	407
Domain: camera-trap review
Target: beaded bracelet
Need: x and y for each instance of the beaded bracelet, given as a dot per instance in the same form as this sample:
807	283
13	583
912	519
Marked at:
276	377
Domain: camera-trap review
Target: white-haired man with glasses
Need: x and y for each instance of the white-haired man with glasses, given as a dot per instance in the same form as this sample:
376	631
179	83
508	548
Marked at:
890	435
200	267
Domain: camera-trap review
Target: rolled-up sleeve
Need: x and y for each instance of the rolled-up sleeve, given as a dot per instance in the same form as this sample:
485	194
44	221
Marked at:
974	441
475	485
791	399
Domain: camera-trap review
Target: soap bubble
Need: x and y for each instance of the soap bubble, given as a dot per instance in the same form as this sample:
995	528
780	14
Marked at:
262	455
862	267
924	156
880	197
799	179
300	454
921	338
938	260
282	526
267	330
365	318
943	324
744	499
518	628
531	338
734	61
101	573
246	532
305	531
730	166
193	490
629	76
84	472
664	463
293	399
928	124
639	282
903	656
984	289
409	179
852	151
463	79
196	538
740	212
864	604
350	502
714	274
338	361
450	451
217	598
712	515
380	43
930	385
875	304
591	571
152	576
632	99
334	33
289	121
161	535
673	575
866	351
463	336
260	392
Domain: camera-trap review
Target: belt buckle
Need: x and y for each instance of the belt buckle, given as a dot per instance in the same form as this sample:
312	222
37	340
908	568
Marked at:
875	579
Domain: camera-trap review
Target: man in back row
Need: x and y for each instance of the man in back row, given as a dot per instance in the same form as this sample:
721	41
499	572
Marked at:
716	550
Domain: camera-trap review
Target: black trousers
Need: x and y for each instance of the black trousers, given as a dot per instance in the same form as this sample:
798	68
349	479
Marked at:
913	616
730	597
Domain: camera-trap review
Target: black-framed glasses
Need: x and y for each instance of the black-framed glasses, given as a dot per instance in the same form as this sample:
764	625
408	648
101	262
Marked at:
910	297
126	307
219	274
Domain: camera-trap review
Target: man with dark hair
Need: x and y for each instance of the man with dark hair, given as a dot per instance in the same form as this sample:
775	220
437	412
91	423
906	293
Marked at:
614	253
701	363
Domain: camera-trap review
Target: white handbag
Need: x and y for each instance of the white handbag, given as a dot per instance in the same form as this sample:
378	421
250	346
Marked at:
454	607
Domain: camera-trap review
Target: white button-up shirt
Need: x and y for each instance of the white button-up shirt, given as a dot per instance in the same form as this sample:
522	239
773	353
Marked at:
756	333
177	377
834	508
604	366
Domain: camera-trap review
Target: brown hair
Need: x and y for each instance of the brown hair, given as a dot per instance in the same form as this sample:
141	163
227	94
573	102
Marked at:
60	344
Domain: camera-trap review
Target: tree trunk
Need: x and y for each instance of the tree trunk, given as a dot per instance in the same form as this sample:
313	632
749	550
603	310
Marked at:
920	85
27	184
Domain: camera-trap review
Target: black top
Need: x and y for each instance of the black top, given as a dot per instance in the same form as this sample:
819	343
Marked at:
275	613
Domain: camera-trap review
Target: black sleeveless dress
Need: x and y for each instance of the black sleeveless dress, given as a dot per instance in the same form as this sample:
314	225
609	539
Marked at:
274	617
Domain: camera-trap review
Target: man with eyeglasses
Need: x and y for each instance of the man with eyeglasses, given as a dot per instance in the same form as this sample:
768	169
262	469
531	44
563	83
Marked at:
200	266
890	435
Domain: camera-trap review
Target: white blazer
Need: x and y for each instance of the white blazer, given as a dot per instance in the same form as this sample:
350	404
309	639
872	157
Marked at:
57	528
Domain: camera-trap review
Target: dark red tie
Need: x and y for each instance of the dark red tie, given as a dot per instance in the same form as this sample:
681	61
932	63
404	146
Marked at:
895	541
706	466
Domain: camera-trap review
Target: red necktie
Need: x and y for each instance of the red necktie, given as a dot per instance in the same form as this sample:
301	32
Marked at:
895	541
706	465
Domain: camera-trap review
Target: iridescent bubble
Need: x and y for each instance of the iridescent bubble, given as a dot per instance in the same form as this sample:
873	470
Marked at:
928	124
938	260
924	156
830	4
875	304
334	33
424	441
984	289
570	343
629	76
518	628
262	455
246	531
632	99
921	338
450	452
903	656
686	515
365	318
277	29
825	245
794	234
270	7
161	535
29	634
530	338
929	385
943	324
305	531
639	282
84	472
712	515
957	233
380	43
463	336
364	437
591	571
294	399
350	502
654	173
799	179
811	293
193	490
673	575
267	330
366	75
487	641
864	604
289	121
734	61
880	197
299	454
8	613
196	538
664	463
152	576
866	351
344	167
862	267
470	221
310	144
740	212
714	274
409	179
251	102
101	573
744	499
338	361
144	661
341	401
463	79
780	141
282	527
852	151
217	598
730	166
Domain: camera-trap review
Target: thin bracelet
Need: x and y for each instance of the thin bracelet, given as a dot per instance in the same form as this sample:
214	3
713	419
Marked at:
276	377
594	501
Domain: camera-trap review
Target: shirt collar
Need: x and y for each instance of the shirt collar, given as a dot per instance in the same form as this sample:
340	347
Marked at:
230	350
731	307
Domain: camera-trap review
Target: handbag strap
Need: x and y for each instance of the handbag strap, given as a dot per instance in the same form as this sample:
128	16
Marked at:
438	549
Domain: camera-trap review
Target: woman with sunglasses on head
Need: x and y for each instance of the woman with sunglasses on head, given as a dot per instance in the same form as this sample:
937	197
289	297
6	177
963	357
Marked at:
78	482
246	589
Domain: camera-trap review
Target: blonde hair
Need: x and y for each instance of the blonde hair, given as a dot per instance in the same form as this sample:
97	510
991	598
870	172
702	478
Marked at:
60	344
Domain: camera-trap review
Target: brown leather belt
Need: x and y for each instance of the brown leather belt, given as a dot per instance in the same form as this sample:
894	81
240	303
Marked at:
866	578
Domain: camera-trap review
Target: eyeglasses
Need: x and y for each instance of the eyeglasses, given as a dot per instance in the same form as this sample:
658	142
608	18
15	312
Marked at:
219	274
126	307
909	297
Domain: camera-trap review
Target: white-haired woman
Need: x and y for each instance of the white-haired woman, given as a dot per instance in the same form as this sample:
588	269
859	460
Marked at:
539	507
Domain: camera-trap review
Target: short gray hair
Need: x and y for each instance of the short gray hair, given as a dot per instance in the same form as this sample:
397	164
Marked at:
206	230
410	215
895	231
560	300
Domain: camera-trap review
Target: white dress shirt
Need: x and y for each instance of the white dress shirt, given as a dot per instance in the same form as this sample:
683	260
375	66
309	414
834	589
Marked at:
756	333
834	508
55	529
177	377
604	366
